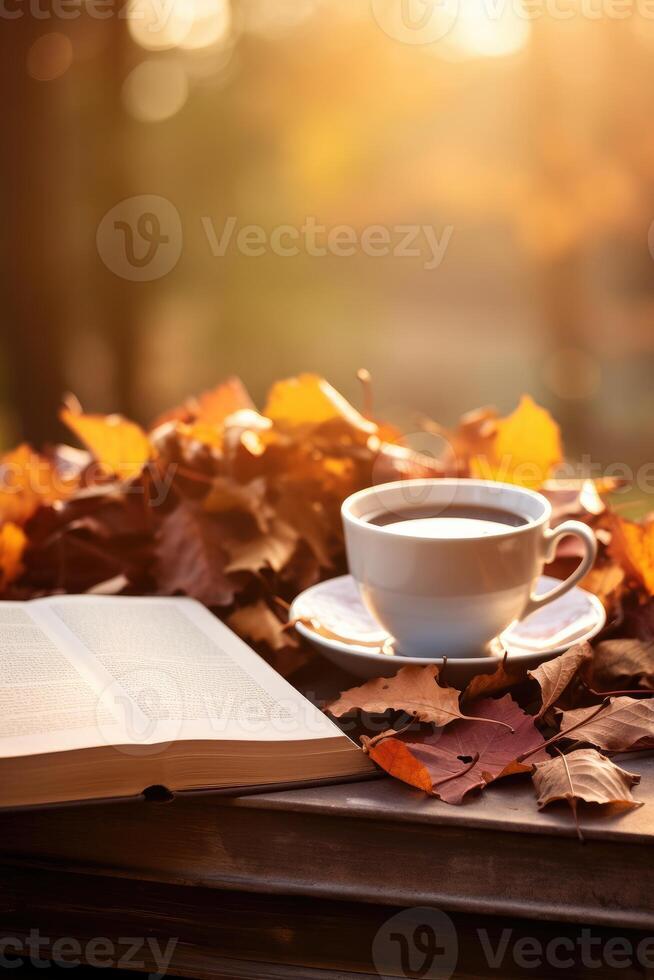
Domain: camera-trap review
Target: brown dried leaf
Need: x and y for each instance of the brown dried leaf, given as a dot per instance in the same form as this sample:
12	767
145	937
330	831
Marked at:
226	495
622	664
414	690
310	519
257	623
606	581
190	557
625	723
504	676
554	676
576	498
273	549
584	775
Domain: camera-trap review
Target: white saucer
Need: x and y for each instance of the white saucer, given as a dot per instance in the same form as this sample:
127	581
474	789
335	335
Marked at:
366	649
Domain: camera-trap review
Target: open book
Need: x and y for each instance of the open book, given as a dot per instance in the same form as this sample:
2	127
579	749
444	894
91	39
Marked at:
105	697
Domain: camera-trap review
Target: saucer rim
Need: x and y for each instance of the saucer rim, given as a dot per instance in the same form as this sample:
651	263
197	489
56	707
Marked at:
351	650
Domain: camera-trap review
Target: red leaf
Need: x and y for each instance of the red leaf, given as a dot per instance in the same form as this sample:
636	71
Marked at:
467	755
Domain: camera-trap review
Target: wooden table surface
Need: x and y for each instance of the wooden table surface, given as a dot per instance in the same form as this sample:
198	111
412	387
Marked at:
309	864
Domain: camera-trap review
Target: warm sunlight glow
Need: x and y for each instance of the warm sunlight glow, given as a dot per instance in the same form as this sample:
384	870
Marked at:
155	26
155	90
274	19
210	22
486	30
190	24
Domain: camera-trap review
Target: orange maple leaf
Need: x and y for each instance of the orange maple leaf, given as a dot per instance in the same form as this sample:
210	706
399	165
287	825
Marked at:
210	407
28	480
214	406
632	546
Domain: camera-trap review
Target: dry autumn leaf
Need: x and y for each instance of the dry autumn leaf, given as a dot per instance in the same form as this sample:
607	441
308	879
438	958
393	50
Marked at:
212	407
584	775
467	755
637	620
622	664
414	690
190	558
554	676
632	546
255	500
505	675
605	581
272	549
578	499
525	448
120	447
625	723
259	624
476	431
226	495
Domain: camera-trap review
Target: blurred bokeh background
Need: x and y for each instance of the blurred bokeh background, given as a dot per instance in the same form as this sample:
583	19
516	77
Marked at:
521	135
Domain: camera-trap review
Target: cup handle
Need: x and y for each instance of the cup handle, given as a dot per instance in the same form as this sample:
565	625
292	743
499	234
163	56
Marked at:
552	538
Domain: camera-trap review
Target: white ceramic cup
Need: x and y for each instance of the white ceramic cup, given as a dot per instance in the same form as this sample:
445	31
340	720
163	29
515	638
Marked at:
450	596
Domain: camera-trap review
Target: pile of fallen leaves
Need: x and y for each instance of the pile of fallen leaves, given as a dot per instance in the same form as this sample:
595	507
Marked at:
240	509
235	507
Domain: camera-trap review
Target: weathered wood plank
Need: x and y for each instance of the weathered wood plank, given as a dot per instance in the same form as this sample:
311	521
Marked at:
208	842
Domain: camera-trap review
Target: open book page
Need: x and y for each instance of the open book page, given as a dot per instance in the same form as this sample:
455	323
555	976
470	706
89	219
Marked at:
160	670
49	696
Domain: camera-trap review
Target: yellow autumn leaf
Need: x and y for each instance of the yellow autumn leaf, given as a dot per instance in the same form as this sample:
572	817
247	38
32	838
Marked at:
120	447
524	449
12	545
310	400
